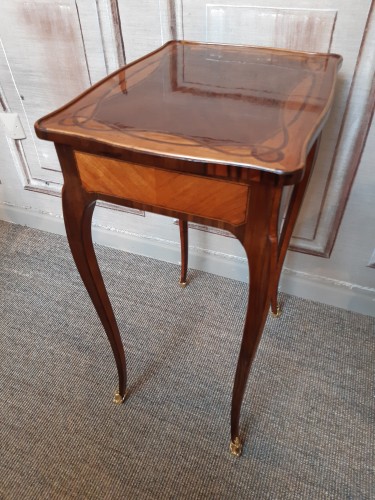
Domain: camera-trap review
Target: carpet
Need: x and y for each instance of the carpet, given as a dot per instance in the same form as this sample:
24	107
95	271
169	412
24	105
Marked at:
307	418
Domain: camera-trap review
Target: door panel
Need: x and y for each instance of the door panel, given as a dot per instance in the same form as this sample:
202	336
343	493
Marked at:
42	45
47	42
332	25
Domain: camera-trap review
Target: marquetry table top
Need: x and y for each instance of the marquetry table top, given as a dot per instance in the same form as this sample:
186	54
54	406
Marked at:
247	106
204	133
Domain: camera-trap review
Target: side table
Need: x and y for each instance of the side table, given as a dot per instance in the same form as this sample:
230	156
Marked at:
205	133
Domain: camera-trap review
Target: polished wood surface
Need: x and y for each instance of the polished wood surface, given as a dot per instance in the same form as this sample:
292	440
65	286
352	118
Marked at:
205	133
291	216
248	106
184	241
223	200
78	207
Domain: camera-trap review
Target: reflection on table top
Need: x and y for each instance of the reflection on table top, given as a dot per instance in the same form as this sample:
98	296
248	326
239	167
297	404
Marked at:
249	106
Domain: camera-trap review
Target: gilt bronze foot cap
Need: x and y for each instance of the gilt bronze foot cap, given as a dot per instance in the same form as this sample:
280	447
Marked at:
118	399
182	284
236	447
278	311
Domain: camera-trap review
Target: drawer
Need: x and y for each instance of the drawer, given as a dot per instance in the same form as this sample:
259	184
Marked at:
186	193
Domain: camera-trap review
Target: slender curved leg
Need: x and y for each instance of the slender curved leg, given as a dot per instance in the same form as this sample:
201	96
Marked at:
256	316
288	226
78	208
258	245
184	251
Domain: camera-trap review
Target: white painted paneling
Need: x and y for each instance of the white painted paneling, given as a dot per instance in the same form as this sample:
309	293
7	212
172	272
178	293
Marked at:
286	28
347	268
52	49
331	191
32	33
311	26
145	26
44	63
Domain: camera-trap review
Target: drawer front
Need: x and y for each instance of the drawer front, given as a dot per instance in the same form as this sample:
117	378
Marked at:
190	194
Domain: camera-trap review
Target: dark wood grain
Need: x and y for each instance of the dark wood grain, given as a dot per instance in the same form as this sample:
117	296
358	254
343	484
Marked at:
248	106
78	207
282	245
265	200
184	239
203	133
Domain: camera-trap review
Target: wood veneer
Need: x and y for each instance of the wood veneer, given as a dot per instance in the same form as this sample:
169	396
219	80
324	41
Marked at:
253	107
222	200
208	134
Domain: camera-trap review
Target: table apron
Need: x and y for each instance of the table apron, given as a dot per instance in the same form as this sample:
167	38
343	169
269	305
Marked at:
180	192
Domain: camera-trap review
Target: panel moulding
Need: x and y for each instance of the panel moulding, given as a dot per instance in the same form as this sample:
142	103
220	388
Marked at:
349	148
371	262
359	106
309	286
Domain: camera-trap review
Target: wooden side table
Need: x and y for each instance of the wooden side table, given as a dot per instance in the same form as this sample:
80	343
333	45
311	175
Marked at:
204	133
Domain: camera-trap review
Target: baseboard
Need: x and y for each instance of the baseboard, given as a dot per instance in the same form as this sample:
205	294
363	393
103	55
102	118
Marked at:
329	291
349	296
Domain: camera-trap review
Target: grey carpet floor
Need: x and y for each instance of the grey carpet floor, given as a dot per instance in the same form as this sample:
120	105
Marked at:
308	414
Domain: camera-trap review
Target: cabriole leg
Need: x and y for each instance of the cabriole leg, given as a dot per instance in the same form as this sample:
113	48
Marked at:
258	246
257	311
184	251
288	226
78	210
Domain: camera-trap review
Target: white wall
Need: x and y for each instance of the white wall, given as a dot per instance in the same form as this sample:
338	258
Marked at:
38	74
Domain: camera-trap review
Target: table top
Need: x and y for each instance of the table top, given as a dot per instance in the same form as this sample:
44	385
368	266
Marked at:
224	104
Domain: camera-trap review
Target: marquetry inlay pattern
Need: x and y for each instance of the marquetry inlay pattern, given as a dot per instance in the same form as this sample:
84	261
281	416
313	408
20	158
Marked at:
190	194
